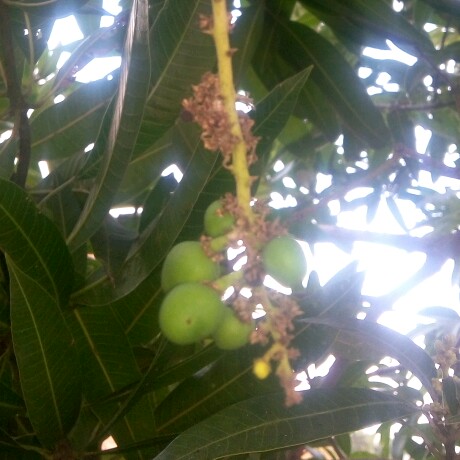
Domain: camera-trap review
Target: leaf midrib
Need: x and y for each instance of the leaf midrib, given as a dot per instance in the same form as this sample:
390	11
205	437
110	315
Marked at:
33	248
39	339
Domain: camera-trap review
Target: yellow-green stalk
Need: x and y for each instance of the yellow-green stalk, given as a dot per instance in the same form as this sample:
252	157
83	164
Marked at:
224	53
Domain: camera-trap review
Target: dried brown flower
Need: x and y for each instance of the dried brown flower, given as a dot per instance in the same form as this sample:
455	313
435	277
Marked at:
208	110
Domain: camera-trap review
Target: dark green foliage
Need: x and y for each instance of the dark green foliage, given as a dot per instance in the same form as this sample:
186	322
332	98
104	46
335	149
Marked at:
81	352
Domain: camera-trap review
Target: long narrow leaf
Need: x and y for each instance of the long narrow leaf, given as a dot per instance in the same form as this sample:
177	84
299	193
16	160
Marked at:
301	46
46	357
263	423
375	18
274	110
108	365
158	238
180	54
369	337
127	116
33	243
65	128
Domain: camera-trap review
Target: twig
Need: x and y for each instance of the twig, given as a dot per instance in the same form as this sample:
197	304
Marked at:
424	106
18	105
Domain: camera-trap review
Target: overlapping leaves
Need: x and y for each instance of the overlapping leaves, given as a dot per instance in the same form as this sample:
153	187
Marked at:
41	278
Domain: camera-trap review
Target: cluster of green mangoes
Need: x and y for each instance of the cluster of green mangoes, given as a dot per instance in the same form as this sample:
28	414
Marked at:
192	309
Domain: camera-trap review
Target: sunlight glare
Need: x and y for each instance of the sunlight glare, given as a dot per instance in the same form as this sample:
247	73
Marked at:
111	6
6	135
44	168
58	98
278	166
126	211
63	57
89	147
394	53
65	31
108	443
422	138
98	68
175	171
364	72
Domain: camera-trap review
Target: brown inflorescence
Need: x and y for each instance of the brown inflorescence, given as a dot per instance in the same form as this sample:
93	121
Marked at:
208	110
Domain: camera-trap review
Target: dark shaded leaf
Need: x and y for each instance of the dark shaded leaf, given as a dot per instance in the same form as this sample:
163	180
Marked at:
161	234
34	244
111	244
119	142
301	46
263	423
78	118
46	357
394	209
10	403
451	394
378	18
274	110
180	54
228	381
108	365
364	338
245	37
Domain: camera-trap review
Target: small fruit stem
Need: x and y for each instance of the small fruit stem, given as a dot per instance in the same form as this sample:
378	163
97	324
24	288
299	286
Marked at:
224	53
230	279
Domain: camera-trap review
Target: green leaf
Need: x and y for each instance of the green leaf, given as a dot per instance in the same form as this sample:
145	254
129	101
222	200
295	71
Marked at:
10	403
138	311
450	7
68	127
108	365
136	183
33	243
181	53
300	47
274	110
161	234
263	423
46	357
245	37
319	110
361	339
41	279
111	244
451	394
378	18
158	377
119	142
228	381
